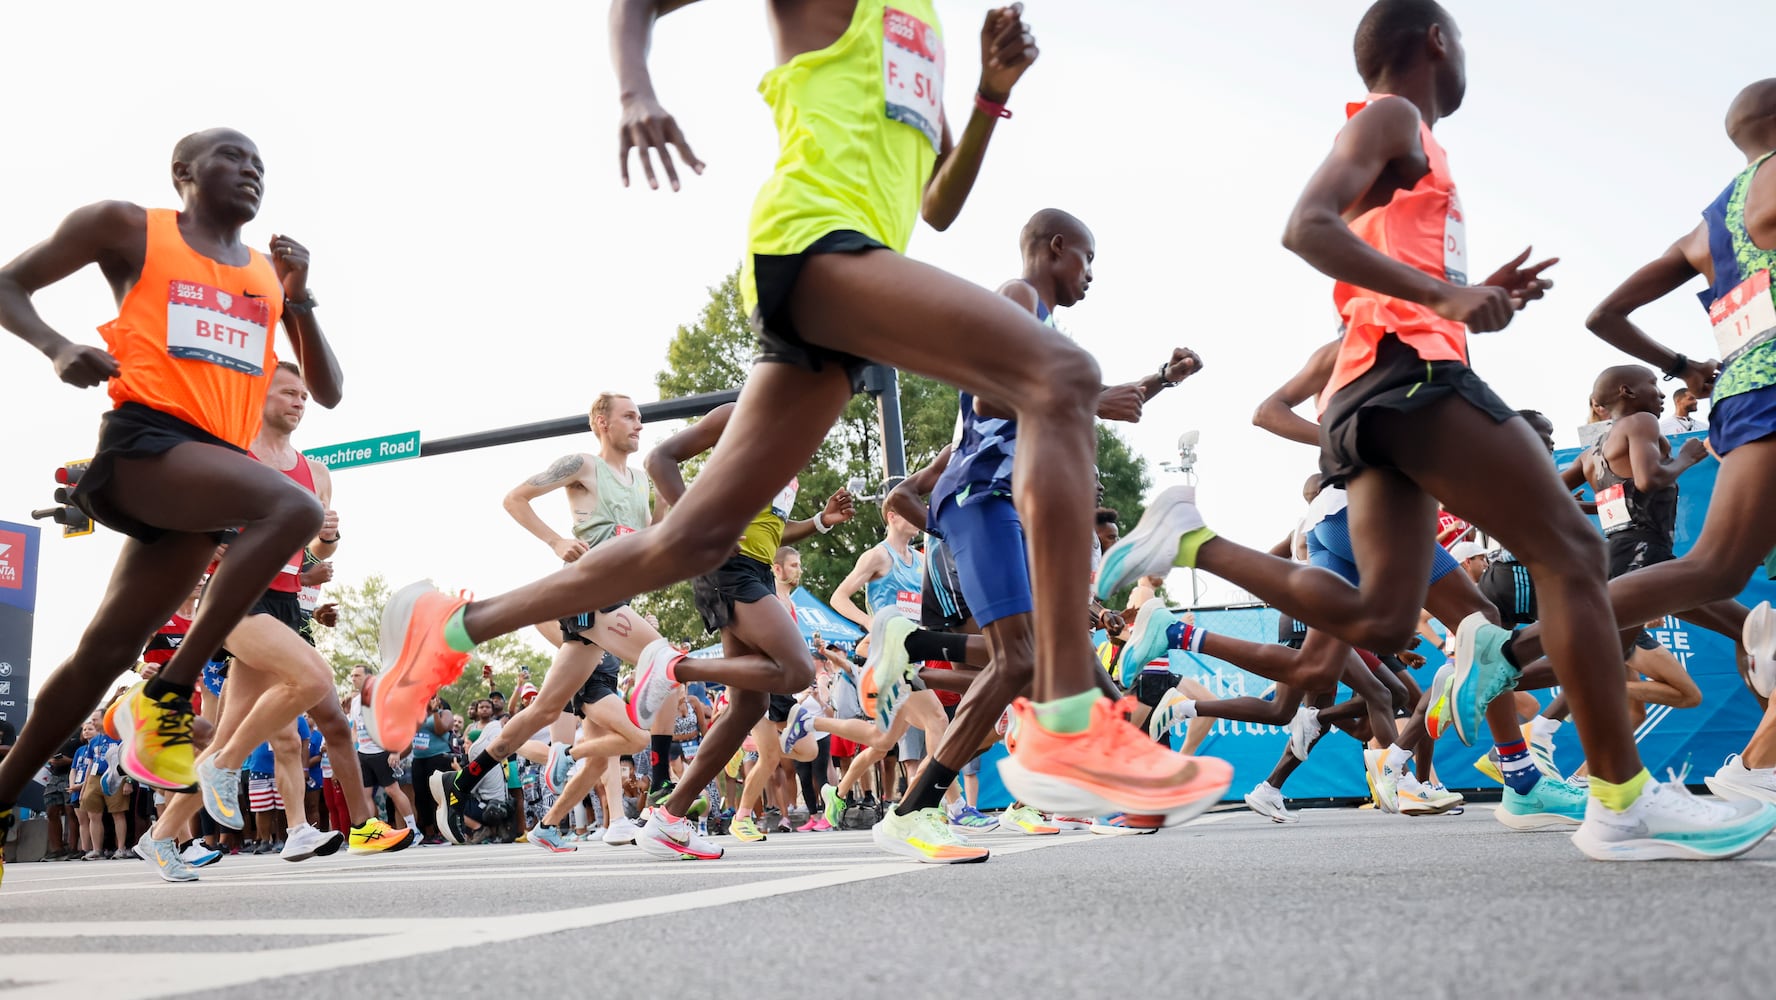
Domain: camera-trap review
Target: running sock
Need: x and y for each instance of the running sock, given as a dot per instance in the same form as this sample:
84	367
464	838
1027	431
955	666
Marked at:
929	791
1542	727
1619	797
1190	544
1185	636
483	764
1185	709
1397	756
922	645
1071	714
159	687
411	825
1517	767
659	748
456	634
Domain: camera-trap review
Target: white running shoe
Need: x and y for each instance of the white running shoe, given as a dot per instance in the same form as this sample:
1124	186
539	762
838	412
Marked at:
1736	781
197	855
1267	801
1168	713
622	831
1152	548
1668	823
675	841
1384	781
306	842
651	682
1303	729
163	855
887	662
1759	636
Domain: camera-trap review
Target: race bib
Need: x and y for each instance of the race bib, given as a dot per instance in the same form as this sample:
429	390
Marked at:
908	602
208	324
1455	243
309	598
1744	317
620	530
912	74
785	502
1612	508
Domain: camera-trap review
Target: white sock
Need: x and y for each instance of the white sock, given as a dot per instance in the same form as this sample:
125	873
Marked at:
1396	757
411	825
1185	709
1541	728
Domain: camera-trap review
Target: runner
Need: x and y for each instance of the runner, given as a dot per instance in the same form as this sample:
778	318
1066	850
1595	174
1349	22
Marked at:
860	83
1382	217
188	360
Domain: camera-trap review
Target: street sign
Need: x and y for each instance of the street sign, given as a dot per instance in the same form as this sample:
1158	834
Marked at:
370	451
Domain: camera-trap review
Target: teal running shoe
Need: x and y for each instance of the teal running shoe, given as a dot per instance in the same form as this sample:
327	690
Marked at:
1481	674
1550	805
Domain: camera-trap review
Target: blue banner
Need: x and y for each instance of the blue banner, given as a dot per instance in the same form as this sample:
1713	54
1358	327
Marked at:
18	603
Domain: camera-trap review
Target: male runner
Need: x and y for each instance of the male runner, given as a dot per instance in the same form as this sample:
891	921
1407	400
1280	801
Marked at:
865	149
188	360
1382	217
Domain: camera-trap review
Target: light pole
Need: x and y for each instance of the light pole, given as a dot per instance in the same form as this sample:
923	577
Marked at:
1186	466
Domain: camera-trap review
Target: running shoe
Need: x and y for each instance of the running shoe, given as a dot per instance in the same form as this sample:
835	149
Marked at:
801	717
1542	752
112	779
1418	799
377	837
555	772
163	856
622	831
1481	674
1022	819
116	721
1737	782
1304	729
1266	800
676	840
924	836
416	662
653	682
1150	638
1550	805
888	665
1118	825
1437	714
834	811
1488	764
968	819
816	824
1110	767
307	842
1668	823
448	816
1061	822
1759	636
221	793
156	737
1168	713
1384	781
746	830
197	854
1152	548
549	838
658	796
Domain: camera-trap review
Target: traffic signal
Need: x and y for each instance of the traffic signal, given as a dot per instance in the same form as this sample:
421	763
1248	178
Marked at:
72	519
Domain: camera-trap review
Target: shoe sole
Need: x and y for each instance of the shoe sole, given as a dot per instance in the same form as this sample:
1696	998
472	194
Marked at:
1122	831
1300	742
441	815
1056	794
1137	640
1437	719
644	676
1428	808
126	724
900	849
1534	822
158	870
553	848
1736	792
399	659
1650	849
1759	636
888	665
1153	728
1146	547
1392	803
1464	670
400	845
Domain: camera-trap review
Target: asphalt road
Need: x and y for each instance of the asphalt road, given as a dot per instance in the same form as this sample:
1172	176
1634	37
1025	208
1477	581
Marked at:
1344	903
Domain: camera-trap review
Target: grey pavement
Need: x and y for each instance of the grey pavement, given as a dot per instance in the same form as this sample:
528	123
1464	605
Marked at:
1345	902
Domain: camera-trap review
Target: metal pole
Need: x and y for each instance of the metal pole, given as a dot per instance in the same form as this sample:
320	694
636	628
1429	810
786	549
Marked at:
883	382
666	409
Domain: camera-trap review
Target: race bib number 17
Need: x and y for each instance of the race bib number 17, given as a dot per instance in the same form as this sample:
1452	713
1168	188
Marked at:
912	74
1744	317
208	324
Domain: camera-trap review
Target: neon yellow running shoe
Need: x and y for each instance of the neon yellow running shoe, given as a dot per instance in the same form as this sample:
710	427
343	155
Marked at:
1027	821
746	829
157	746
1489	766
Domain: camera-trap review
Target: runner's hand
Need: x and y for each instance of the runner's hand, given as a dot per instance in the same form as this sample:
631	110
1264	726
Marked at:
1110	622
839	509
1481	308
83	367
569	549
646	127
319	573
329	523
1411	659
1700	376
1185	363
1007	50
1122	402
327	614
290	260
1693	451
1525	284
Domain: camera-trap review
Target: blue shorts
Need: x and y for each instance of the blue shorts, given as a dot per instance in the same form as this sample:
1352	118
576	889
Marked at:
1742	419
1329	547
987	541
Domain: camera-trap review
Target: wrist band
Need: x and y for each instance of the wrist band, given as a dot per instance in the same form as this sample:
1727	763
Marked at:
1166	383
992	109
820	525
1678	365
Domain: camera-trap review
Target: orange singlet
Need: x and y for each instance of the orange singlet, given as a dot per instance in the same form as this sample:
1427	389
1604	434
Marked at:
1424	228
193	338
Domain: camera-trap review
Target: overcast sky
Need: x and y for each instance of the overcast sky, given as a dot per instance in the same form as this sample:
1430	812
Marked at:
479	265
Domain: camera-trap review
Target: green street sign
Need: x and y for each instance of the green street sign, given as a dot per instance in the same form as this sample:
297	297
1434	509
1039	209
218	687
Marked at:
370	451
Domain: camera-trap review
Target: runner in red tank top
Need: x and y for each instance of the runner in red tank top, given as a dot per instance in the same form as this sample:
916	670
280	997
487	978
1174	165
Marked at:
187	359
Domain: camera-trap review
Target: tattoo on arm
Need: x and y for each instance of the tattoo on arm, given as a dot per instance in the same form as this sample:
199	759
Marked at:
564	469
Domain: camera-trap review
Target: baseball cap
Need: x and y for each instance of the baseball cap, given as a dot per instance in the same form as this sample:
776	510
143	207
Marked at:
1463	551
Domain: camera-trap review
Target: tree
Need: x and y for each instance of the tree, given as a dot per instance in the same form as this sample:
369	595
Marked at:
357	639
715	352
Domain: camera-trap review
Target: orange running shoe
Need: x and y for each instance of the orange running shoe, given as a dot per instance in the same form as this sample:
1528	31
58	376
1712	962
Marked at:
1111	767
416	663
156	735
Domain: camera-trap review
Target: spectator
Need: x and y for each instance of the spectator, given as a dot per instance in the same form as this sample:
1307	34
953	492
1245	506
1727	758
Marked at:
64	836
498	701
100	798
313	746
264	802
431	754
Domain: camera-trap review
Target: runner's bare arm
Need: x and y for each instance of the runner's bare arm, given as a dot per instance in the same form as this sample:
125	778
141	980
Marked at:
1653	469
1277	413
869	566
1007	50
320	369
1657	279
906	499
644	126
112	234
518	501
1369	145
839	509
662	464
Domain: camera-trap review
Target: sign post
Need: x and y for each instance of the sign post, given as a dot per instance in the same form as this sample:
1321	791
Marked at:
369	451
